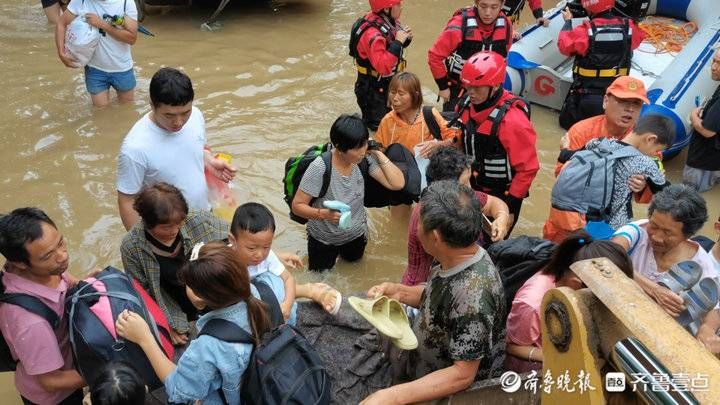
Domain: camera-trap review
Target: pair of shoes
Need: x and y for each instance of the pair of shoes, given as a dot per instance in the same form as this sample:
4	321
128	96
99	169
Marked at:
700	296
681	276
699	300
389	317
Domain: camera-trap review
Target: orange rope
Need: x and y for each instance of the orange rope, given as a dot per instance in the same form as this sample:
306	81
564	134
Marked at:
666	35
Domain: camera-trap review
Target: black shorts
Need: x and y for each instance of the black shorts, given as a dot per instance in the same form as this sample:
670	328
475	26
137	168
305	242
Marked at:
322	257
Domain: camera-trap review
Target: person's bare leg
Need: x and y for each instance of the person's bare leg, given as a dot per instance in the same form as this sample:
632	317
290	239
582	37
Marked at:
321	293
53	13
126	96
101	99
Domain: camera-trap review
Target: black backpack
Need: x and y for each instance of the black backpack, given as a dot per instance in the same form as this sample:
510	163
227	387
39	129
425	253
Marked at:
377	196
517	260
93	345
31	304
284	368
295	168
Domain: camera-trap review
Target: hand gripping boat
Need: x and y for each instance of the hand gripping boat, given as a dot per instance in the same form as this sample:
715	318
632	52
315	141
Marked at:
676	84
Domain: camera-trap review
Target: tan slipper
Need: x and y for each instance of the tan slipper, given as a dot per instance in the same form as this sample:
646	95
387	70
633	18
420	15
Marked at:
398	316
377	312
324	296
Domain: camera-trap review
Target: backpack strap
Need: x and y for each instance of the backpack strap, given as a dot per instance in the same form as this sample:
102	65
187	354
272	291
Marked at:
431	122
501	111
327	159
32	304
226	331
29	303
268	297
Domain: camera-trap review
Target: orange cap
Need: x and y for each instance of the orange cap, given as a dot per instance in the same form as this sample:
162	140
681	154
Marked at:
628	87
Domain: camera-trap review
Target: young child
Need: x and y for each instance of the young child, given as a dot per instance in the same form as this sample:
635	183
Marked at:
652	134
251	236
118	384
216	281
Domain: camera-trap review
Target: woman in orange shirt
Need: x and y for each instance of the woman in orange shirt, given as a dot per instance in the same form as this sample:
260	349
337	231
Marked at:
405	124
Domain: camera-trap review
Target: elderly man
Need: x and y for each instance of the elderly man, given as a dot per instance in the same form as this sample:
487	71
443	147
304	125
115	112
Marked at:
458	344
702	168
622	103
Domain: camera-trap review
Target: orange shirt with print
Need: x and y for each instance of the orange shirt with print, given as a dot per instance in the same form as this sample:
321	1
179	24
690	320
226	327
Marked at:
393	129
583	131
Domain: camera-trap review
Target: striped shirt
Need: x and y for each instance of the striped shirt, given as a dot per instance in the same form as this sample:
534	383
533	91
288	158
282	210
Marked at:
347	189
139	260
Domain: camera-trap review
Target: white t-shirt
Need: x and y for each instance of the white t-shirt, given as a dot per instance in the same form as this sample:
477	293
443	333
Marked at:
111	55
150	154
643	259
272	264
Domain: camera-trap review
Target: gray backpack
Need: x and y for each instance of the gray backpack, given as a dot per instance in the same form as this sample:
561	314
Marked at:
585	184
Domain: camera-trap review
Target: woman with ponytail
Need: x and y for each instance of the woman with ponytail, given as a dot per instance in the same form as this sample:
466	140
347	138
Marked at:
218	283
524	340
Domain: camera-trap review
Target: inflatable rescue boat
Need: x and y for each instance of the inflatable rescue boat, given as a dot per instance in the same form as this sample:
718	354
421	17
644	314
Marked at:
678	80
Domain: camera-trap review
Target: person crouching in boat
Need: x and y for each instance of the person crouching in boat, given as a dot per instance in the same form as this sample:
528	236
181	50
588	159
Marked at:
498	133
377	41
603	48
482	27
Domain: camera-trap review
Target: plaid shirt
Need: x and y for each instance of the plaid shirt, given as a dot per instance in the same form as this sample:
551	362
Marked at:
139	260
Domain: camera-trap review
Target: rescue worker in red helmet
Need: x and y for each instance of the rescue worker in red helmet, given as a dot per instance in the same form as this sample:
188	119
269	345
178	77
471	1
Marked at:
498	133
377	41
481	27
603	48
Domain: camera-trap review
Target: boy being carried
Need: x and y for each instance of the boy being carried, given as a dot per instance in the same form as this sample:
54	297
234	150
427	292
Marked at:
622	167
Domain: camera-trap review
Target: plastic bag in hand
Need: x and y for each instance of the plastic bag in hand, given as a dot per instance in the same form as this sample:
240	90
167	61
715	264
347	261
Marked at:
81	40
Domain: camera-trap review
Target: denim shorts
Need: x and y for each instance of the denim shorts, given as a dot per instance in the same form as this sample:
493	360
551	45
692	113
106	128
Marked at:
97	81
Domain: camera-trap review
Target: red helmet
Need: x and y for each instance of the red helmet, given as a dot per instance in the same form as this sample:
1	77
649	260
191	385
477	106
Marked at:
485	68
597	6
377	5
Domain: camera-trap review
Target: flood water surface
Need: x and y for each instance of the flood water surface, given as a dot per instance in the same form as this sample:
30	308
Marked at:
270	82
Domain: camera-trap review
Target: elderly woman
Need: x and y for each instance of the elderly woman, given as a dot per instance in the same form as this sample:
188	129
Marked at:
657	243
155	249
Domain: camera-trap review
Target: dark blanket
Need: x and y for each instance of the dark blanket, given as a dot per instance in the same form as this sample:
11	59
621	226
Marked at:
350	349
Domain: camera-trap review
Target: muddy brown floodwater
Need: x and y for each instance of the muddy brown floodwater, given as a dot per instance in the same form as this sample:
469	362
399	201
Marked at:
270	82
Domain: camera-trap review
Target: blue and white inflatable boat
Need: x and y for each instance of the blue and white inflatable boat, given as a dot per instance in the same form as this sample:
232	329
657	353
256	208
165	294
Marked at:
676	84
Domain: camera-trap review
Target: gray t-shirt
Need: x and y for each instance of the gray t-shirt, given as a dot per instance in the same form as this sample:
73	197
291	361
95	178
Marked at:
462	318
347	189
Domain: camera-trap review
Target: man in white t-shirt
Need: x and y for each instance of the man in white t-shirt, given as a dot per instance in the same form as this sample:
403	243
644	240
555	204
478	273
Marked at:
111	65
168	144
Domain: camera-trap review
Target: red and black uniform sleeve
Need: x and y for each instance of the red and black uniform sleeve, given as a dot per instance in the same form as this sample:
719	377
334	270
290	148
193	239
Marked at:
574	41
536	7
383	56
445	44
518	137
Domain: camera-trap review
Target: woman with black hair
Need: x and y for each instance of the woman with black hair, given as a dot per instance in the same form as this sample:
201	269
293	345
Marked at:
326	237
524	339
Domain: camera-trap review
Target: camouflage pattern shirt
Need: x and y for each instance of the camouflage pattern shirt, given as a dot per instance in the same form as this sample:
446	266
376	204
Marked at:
462	318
